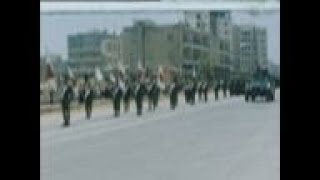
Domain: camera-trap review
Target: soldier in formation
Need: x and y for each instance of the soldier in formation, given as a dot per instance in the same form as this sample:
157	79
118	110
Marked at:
174	90
200	90
205	89
140	91
67	96
88	100
127	96
216	90
117	95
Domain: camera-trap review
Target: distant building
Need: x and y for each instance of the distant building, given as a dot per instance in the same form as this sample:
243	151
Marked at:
218	25
176	46
133	43
252	51
112	49
86	50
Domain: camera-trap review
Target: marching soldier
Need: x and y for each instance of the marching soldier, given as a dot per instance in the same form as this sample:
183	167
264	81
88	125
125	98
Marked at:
205	91
67	97
224	88
173	95
200	90
156	94
150	95
186	93
139	93
117	94
51	94
82	92
88	100
216	90
127	96
193	93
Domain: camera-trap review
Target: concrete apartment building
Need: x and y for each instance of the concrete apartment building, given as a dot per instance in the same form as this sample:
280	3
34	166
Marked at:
219	26
112	49
252	51
86	51
133	43
176	46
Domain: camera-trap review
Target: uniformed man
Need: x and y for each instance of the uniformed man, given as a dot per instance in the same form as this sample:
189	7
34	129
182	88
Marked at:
51	94
187	92
82	92
156	94
173	95
193	92
216	90
117	94
224	88
67	96
127	96
205	90
88	100
150	95
200	90
140	91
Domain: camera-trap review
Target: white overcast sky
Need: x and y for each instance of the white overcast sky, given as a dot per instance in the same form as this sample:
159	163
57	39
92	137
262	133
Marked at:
55	28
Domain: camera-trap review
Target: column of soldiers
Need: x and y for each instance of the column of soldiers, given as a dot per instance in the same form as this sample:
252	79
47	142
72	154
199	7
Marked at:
126	90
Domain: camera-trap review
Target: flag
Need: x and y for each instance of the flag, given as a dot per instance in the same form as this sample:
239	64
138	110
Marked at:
194	72
98	74
70	73
122	85
121	68
140	65
112	78
49	70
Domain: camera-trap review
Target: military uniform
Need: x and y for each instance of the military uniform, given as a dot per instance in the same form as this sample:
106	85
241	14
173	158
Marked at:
193	93
216	91
67	97
186	93
88	100
126	98
205	91
140	90
117	94
200	91
224	88
173	96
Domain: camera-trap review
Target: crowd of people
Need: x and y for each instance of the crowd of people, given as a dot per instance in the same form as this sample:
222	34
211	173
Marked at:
122	91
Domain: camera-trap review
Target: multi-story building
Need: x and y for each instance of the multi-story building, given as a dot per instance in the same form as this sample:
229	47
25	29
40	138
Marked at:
112	49
218	25
133	43
85	51
252	52
175	45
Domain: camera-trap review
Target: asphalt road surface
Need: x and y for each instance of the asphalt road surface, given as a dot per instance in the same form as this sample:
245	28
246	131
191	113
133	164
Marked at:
227	139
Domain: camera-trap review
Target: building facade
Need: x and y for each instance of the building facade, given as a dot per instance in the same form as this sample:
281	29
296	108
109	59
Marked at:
219	27
112	49
252	50
86	51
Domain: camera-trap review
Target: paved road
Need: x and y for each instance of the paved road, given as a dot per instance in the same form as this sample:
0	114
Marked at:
224	140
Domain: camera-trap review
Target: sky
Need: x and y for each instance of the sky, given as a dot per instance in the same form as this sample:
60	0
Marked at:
54	28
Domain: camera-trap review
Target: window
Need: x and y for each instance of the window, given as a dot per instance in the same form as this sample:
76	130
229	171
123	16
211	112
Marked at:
198	16
198	24
170	37
221	46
